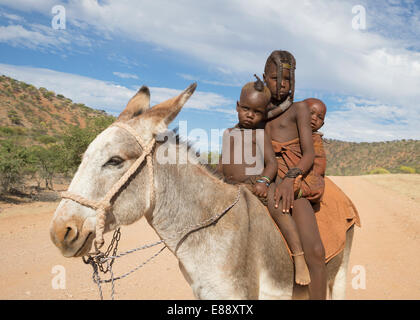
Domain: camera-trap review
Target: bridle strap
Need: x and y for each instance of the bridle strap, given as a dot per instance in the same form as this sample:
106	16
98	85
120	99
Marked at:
81	200
147	152
102	207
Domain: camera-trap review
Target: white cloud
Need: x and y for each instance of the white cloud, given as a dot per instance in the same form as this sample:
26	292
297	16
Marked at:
235	37
368	120
18	35
212	82
125	75
10	16
44	6
41	37
94	93
106	95
123	60
208	101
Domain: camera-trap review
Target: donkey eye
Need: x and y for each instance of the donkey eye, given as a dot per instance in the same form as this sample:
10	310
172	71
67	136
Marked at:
114	161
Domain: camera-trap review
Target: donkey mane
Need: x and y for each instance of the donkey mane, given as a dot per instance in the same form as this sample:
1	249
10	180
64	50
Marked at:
209	169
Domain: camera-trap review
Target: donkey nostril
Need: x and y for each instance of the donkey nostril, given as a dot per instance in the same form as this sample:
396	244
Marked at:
71	234
67	232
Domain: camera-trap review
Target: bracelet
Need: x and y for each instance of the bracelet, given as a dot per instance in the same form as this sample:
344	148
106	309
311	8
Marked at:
293	173
263	181
266	179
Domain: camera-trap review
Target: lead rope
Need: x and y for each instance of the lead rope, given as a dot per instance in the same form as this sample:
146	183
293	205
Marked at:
98	260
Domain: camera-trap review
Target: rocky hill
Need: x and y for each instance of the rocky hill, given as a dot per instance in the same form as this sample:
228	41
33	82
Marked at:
39	113
350	158
42	138
33	115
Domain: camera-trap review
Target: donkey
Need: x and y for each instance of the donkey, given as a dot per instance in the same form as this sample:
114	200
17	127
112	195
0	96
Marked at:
240	254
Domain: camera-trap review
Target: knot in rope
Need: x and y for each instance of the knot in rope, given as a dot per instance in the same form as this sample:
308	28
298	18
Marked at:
101	214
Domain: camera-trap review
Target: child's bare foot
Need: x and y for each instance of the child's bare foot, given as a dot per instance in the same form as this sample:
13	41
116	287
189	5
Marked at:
302	276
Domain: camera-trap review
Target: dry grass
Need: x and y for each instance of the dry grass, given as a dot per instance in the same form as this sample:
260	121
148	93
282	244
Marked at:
404	184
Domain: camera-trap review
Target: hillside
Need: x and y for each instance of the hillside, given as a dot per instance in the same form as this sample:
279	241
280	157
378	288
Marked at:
351	158
42	137
28	111
31	116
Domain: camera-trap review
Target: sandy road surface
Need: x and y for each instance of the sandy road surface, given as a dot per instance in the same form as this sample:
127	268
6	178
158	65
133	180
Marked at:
385	249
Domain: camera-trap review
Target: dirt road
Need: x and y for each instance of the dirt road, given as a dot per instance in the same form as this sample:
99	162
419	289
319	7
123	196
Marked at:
384	258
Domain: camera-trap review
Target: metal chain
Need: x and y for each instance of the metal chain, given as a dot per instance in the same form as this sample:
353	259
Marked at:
99	259
115	239
96	278
96	261
112	278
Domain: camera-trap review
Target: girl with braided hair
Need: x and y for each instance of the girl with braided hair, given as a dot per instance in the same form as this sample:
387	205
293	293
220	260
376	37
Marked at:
288	126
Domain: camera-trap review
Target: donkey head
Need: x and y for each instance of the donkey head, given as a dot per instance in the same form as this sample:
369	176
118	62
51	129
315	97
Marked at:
105	161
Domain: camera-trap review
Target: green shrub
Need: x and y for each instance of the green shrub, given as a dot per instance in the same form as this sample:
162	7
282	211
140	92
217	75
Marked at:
16	87
9	93
379	171
47	94
406	169
45	139
14	161
9	131
75	141
6	131
47	162
24	85
14	117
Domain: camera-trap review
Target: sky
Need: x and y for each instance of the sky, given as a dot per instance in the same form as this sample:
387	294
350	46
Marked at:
362	58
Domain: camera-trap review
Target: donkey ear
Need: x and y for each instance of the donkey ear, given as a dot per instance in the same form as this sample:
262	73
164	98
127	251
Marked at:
137	104
163	113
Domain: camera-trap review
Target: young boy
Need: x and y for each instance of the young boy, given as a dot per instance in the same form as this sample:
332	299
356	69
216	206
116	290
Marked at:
247	153
251	113
290	131
313	185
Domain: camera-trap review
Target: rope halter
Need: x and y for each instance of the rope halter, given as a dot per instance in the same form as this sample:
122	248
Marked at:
103	206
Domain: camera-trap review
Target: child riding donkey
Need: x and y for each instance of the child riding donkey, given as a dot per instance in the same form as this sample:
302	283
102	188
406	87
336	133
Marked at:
289	127
237	168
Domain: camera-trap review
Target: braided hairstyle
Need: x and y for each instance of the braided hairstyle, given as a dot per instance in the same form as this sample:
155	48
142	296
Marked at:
258	86
279	57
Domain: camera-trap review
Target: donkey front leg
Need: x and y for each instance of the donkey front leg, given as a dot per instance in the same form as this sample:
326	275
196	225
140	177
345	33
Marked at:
216	285
221	289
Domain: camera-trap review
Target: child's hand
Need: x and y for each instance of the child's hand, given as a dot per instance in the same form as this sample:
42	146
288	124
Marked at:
284	192
260	189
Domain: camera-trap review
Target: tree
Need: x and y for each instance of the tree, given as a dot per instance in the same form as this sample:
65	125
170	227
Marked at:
76	140
14	160
47	162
